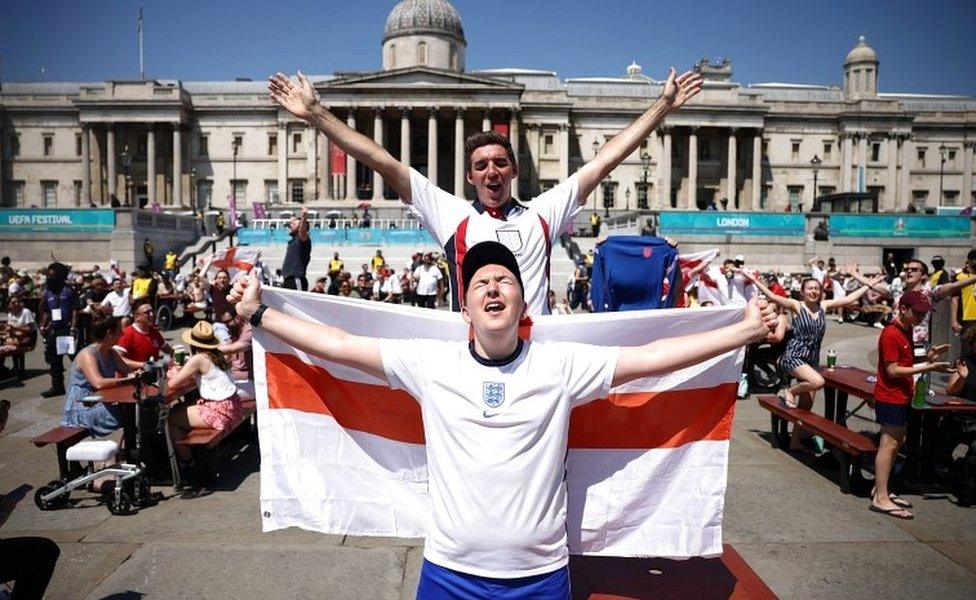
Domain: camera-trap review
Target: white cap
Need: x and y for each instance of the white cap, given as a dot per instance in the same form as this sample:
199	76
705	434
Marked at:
740	258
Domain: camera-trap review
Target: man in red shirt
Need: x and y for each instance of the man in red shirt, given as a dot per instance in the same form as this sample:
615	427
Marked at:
894	391
142	340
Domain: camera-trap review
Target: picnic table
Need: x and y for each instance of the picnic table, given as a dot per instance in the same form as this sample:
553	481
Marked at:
841	382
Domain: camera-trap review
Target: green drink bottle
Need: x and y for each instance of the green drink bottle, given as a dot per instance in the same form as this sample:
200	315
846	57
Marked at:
921	391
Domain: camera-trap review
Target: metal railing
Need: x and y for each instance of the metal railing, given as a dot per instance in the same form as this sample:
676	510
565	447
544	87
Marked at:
338	223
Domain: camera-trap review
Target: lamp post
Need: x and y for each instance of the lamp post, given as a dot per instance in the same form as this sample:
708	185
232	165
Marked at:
942	161
815	165
627	199
193	187
646	164
606	208
126	166
233	183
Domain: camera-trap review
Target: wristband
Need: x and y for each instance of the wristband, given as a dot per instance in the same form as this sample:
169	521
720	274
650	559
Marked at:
255	319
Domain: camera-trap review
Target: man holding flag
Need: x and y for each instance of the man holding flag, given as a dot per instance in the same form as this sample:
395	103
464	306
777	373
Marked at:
496	414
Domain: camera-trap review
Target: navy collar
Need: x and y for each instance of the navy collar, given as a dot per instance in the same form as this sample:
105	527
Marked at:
496	362
513	208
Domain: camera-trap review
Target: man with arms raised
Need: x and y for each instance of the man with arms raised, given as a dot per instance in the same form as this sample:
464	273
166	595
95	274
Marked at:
496	414
528	230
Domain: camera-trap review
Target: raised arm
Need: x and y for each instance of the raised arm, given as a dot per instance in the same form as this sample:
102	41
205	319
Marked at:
787	304
303	225
854	296
665	356
677	91
300	101
951	289
325	341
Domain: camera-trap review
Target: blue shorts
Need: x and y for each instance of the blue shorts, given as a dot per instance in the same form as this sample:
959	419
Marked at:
892	415
440	583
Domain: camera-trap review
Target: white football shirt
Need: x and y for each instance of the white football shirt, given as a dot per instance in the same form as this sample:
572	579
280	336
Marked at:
496	441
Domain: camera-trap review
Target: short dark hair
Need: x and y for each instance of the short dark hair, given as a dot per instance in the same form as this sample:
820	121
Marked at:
925	267
136	305
971	255
806	280
486	138
103	327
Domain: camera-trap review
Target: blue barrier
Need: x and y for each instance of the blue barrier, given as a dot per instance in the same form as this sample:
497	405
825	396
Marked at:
28	220
339	237
731	223
924	226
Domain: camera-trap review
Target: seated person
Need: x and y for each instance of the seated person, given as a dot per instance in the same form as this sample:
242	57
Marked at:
142	285
962	381
141	340
94	369
219	405
20	331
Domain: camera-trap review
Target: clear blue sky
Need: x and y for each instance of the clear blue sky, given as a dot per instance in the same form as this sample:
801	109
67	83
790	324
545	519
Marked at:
924	46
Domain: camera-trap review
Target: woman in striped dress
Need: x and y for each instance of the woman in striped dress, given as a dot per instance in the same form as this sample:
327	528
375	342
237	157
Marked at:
802	354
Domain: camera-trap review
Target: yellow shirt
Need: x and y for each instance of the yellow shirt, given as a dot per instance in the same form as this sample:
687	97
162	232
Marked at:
140	287
378	262
335	265
170	263
967	298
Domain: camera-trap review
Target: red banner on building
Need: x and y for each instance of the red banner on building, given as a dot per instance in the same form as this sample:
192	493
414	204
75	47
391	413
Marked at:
501	128
338	159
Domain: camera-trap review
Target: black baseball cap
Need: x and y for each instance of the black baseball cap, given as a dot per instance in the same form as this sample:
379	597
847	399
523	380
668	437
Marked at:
489	253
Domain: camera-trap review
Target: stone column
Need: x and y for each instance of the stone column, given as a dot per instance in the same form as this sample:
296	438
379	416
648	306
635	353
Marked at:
325	151
532	135
891	185
378	138
177	165
151	164
862	159
665	175
904	182
110	150
432	150
85	164
486	122
755	202
350	161
691	198
311	163
513	137
282	162
967	173
405	135
563	152
732	187
846	156
459	153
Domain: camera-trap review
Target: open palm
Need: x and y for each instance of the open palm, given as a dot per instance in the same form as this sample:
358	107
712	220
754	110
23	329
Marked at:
682	88
298	99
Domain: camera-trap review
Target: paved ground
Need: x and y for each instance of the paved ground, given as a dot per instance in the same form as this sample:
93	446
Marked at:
786	518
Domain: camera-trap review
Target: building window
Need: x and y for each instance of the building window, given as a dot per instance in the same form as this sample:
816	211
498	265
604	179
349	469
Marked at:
793	193
548	144
795	150
920	199
704	149
642	196
77	192
204	193
875	151
296	143
48	144
609	194
826	190
392	56
272	144
422	53
239	189
951	158
297	190
271	191
77	144
857	80
204	145
49	193
950	198
15	144
828	149
15	197
454	58
921	158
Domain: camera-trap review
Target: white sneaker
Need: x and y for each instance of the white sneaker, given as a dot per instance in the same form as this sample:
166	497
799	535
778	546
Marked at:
878	325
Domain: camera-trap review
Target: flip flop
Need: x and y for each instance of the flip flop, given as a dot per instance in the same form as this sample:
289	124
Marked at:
897	500
781	396
891	512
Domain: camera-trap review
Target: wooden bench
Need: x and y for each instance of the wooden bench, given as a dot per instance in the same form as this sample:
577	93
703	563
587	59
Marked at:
63	438
204	442
845	444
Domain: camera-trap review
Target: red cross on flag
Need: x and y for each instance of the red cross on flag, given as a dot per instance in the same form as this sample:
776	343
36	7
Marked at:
236	259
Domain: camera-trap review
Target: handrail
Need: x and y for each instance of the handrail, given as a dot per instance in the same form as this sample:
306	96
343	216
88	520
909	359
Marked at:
340	223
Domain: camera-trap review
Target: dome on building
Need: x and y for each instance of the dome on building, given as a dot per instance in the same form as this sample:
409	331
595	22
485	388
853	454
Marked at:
412	17
861	53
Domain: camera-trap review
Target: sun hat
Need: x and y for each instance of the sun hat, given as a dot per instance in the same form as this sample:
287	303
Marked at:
201	336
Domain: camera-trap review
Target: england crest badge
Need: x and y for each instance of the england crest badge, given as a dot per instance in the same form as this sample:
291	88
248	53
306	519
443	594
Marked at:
493	394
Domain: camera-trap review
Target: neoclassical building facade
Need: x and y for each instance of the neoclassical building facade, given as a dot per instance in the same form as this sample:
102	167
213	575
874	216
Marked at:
185	144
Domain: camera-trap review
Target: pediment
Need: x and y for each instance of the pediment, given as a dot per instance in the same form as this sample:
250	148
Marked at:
416	78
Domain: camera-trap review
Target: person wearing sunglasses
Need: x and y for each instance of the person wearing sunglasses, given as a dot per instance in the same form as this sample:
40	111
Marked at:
141	340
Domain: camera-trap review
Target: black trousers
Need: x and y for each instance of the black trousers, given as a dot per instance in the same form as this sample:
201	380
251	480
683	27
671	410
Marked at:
426	301
29	563
51	356
292	282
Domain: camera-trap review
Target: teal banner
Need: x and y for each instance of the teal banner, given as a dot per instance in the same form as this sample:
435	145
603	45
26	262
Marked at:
923	226
338	237
731	223
29	220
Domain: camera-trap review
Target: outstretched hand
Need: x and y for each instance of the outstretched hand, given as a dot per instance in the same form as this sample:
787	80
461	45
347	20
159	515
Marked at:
298	99
680	89
761	318
246	294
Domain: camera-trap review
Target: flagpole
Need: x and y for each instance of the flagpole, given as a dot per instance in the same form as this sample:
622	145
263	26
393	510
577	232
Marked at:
142	71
